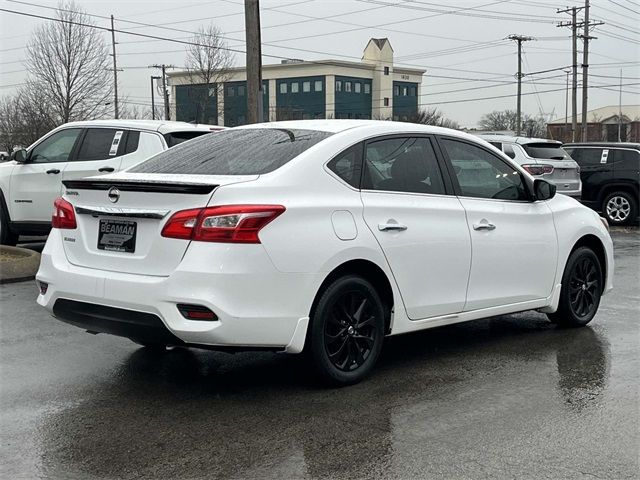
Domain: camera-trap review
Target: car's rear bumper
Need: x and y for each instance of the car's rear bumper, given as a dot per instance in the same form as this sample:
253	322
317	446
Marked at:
256	305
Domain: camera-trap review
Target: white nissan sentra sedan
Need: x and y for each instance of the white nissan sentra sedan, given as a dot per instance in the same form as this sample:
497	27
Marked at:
319	235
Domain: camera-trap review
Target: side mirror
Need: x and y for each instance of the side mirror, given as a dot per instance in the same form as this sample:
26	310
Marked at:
19	156
543	190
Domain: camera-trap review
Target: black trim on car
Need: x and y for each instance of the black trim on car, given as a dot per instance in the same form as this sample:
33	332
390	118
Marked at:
140	186
30	228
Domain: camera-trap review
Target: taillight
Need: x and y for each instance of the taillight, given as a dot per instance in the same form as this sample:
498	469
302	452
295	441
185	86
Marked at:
542	169
64	216
225	224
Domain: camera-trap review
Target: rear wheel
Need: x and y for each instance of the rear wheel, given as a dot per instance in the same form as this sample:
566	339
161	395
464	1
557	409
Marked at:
347	330
581	289
620	208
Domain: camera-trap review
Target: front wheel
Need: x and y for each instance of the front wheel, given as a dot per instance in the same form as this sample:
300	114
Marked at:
581	289
347	330
7	237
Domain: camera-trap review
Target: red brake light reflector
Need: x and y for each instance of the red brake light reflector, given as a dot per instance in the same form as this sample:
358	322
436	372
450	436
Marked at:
225	223
64	216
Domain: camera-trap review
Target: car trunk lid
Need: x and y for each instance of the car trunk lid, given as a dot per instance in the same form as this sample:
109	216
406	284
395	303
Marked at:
120	219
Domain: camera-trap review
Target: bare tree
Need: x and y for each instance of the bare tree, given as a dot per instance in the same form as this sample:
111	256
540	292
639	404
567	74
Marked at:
24	118
499	120
433	116
208	62
67	61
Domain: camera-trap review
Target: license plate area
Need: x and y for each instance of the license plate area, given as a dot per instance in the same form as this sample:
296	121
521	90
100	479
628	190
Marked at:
117	235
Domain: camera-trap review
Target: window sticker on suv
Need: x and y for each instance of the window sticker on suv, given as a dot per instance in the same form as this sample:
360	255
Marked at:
114	144
605	155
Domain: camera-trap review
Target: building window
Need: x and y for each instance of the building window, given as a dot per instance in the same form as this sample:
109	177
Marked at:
412	91
386	101
396	91
283	87
240	90
306	86
404	91
386	70
347	86
338	86
294	87
318	86
367	88
357	87
231	91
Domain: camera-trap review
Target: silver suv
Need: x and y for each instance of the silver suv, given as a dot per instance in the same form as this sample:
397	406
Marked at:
542	158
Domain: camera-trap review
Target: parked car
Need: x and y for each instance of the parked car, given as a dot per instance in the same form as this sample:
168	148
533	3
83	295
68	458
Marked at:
610	178
30	183
543	159
319	235
4	156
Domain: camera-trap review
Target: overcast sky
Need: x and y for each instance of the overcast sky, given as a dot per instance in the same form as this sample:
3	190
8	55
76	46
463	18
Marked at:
465	53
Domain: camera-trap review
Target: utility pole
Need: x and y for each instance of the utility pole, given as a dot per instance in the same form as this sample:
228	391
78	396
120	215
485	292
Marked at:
620	110
153	100
585	66
116	112
519	39
254	61
163	67
574	66
566	99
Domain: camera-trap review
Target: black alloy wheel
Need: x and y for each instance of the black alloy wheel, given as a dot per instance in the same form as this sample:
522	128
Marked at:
582	285
347	330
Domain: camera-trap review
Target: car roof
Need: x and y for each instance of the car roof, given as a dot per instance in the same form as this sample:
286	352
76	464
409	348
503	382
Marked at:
375	126
161	126
492	137
635	146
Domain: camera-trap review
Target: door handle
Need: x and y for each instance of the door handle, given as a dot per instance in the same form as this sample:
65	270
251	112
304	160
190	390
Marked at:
484	225
106	169
55	171
391	226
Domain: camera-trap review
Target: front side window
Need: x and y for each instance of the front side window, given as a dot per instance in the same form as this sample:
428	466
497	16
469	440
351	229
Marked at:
56	148
348	165
588	157
480	174
100	144
404	164
247	151
625	158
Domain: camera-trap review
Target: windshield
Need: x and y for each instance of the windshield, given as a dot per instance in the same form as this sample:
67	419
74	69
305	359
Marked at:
549	151
250	151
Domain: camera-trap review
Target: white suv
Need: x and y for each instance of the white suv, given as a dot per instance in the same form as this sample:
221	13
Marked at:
33	179
542	158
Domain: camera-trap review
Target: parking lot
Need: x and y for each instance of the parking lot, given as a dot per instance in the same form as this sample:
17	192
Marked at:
506	397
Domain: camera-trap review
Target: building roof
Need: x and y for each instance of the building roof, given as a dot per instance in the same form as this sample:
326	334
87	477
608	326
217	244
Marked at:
632	112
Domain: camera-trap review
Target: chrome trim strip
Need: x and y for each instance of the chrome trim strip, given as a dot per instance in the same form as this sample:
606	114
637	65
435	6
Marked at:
121	212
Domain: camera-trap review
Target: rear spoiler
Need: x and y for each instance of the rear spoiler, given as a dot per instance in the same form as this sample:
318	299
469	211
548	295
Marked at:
140	186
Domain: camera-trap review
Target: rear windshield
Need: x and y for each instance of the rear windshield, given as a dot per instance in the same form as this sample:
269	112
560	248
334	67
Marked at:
548	151
174	138
250	151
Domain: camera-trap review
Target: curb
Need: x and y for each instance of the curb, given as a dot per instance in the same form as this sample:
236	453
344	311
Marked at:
22	267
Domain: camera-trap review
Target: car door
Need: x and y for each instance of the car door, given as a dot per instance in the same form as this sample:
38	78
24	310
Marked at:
419	225
36	183
100	152
513	239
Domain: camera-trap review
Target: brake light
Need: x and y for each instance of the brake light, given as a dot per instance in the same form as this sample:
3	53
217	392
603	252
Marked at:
542	169
225	223
64	216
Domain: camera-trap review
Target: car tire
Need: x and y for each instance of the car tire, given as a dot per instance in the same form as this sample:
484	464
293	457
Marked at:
7	237
620	208
582	285
347	331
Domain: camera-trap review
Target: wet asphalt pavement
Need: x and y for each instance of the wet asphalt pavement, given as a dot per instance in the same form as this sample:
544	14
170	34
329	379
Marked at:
507	397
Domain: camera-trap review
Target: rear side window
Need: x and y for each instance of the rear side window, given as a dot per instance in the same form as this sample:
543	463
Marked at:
348	165
549	151
174	138
100	144
133	138
250	151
